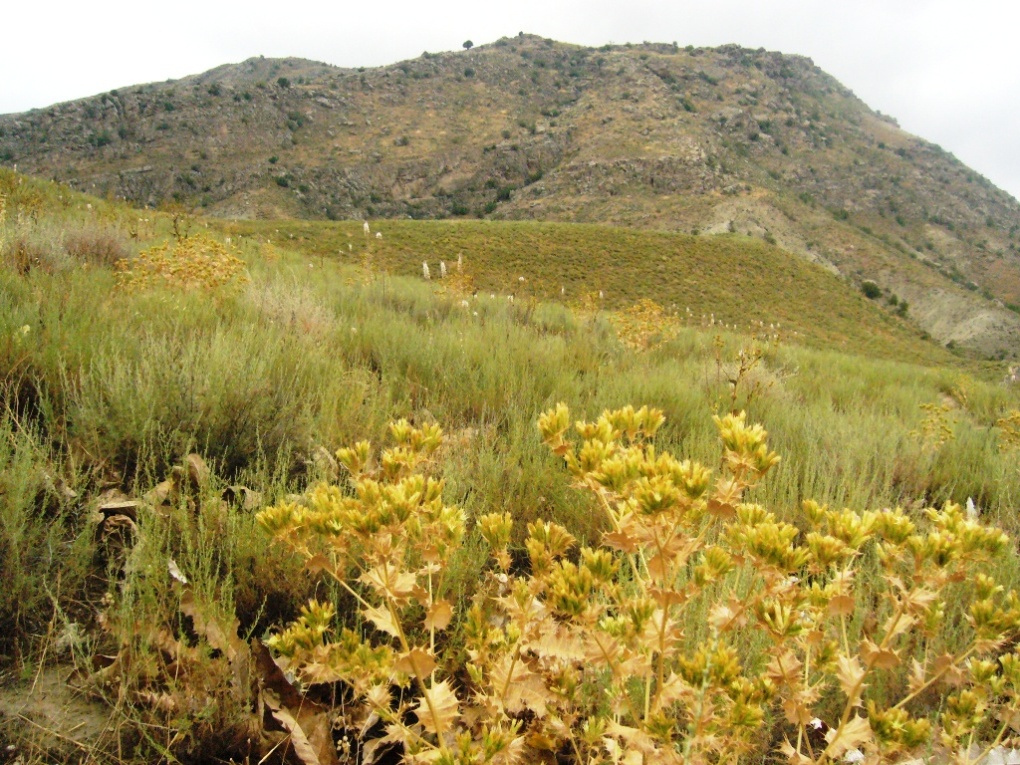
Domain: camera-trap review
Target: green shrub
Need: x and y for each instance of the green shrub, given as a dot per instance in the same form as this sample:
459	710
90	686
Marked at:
871	290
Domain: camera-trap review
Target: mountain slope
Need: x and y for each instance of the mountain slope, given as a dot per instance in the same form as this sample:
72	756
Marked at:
706	140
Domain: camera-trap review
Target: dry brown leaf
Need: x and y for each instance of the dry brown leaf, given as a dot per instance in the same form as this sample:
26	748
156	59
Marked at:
318	563
516	687
559	642
842	605
622	541
221	637
784	669
382	620
668	597
388	580
444	710
439	615
879	658
416	663
311	738
897	625
917	676
850	674
659	568
796	712
795	757
945	666
851	735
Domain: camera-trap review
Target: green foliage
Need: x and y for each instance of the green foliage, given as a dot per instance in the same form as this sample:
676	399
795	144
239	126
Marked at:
677	271
108	386
871	290
44	552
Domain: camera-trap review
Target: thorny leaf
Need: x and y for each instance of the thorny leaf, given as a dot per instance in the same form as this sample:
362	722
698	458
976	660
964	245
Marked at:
795	757
388	580
878	658
517	687
856	731
382	620
439	615
311	738
797	713
318	563
842	605
945	665
560	642
850	675
622	540
442	713
785	668
416	663
897	624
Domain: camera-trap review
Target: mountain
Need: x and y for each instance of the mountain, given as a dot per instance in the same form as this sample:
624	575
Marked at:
696	140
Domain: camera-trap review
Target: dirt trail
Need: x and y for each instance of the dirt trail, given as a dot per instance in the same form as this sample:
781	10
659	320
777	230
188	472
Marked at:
47	716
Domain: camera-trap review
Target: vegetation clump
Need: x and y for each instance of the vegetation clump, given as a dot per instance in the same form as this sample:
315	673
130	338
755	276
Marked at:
194	262
699	625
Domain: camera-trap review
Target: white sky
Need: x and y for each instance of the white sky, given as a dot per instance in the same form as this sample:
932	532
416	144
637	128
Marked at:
946	69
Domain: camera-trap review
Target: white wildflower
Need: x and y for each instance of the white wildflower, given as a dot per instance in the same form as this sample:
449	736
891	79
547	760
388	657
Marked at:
425	270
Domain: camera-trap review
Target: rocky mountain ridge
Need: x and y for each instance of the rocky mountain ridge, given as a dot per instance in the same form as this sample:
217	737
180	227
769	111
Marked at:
716	141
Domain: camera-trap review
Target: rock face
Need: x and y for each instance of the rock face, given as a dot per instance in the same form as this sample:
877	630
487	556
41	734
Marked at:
724	140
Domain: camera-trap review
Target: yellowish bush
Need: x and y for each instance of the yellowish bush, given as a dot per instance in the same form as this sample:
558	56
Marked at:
645	324
636	651
195	262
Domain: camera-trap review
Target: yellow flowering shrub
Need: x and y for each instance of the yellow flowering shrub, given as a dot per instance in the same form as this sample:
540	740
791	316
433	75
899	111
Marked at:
195	262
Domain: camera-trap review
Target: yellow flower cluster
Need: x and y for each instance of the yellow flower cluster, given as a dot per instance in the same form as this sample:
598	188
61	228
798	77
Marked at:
195	262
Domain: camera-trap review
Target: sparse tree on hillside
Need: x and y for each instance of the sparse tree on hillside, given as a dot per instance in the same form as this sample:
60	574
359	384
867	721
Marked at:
468	45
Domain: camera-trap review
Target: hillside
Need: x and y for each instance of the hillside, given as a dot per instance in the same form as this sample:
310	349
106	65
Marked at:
725	282
686	140
173	390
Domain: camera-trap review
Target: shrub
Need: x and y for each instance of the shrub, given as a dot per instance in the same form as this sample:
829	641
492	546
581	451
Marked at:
190	263
637	650
24	253
97	247
871	290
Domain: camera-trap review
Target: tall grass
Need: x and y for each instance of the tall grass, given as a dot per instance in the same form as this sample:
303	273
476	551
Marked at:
104	387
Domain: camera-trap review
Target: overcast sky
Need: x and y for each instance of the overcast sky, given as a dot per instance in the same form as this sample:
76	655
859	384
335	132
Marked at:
946	69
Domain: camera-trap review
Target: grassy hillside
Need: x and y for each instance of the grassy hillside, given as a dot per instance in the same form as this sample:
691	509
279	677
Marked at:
109	383
727	281
651	136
